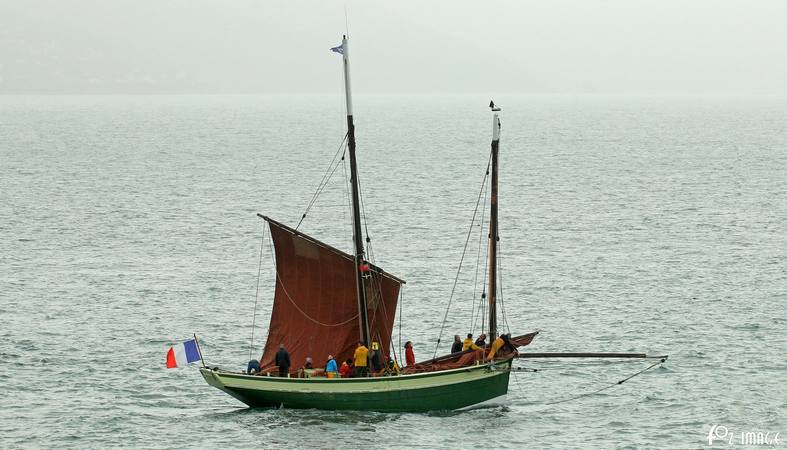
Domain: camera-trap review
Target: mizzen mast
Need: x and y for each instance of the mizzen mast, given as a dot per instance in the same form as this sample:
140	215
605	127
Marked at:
493	236
360	264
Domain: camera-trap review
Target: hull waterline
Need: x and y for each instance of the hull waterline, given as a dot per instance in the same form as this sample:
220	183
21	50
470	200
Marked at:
443	390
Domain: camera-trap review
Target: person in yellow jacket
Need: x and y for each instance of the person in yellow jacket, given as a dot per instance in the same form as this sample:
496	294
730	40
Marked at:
502	342
469	343
360	360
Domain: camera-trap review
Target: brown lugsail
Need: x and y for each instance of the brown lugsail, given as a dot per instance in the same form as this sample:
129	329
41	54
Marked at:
315	307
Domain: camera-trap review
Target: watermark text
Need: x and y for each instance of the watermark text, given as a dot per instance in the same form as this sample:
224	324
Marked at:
721	434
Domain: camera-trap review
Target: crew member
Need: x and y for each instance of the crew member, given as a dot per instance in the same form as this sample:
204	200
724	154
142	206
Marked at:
283	361
361	364
502	342
376	358
469	344
409	356
331	371
346	370
457	347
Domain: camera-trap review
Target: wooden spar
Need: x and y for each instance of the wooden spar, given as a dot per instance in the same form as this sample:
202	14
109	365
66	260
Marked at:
363	317
199	350
590	355
493	238
372	268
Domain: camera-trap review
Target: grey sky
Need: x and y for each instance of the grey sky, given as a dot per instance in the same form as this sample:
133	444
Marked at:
191	46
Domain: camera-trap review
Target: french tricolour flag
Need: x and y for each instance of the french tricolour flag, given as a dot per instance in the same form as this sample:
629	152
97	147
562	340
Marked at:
180	355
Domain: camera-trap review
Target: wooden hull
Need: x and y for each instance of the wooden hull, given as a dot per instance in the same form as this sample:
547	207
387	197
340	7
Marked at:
443	390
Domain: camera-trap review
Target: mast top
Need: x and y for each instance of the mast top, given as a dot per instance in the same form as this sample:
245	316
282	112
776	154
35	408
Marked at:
495	122
493	236
345	51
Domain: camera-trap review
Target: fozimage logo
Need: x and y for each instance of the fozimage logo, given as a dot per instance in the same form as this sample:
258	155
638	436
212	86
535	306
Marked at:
720	433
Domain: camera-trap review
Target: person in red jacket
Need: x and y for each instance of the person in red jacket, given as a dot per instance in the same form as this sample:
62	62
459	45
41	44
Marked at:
346	370
409	356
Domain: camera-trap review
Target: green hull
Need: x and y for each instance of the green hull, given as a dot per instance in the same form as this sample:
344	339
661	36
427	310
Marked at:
443	390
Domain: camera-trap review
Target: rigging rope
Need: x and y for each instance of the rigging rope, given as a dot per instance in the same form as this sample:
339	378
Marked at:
368	253
257	294
482	297
461	260
519	388
363	209
475	277
500	279
587	394
401	313
385	315
376	282
348	215
325	178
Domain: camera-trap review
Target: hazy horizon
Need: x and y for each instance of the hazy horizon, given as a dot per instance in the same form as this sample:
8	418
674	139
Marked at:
247	47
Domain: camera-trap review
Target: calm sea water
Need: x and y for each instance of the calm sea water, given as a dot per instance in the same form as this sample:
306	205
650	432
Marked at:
627	224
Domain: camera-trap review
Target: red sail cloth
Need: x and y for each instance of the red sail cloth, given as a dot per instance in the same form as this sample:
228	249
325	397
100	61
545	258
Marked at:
315	307
467	357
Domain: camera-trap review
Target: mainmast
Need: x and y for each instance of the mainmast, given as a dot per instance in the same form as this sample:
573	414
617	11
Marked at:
360	264
493	237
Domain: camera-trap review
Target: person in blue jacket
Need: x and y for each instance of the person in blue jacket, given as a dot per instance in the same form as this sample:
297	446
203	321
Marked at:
331	369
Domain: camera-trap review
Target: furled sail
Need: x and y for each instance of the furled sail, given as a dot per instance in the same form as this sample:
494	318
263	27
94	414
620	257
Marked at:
315	307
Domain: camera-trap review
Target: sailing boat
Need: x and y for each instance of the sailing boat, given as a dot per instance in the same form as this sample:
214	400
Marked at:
326	301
